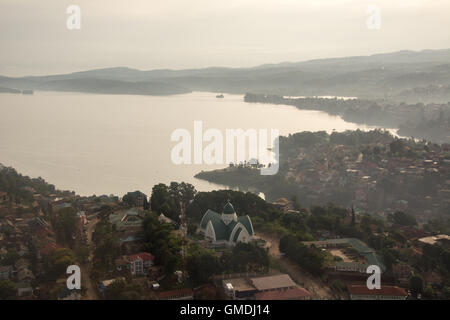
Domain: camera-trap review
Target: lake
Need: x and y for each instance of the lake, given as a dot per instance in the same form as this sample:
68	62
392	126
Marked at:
112	144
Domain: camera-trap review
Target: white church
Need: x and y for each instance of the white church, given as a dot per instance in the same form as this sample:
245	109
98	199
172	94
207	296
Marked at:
226	228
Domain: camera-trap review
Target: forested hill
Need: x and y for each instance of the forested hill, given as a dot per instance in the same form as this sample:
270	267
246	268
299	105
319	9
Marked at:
399	76
425	121
20	187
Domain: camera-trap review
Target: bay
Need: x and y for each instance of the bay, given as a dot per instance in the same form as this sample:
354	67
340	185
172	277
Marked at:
112	144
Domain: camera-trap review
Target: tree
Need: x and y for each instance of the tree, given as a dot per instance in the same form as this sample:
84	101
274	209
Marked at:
107	247
121	290
352	223
295	203
146	204
65	224
416	285
7	290
397	146
105	210
400	218
115	289
60	259
106	251
10	258
165	201
311	259
389	258
206	293
135	199
161	242
201	265
184	192
428	292
249	257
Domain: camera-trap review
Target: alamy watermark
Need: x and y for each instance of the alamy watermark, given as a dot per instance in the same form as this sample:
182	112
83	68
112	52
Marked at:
74	19
74	280
374	280
373	21
210	147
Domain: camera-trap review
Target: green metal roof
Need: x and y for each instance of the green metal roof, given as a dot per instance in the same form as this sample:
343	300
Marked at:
236	235
245	220
220	228
223	231
228	209
371	256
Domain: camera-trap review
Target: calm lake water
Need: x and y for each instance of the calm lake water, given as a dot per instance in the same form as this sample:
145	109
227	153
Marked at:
112	144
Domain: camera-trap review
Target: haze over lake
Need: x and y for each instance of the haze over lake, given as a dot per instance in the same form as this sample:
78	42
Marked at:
112	144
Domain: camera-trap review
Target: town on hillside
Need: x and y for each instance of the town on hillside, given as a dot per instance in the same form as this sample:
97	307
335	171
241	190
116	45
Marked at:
180	244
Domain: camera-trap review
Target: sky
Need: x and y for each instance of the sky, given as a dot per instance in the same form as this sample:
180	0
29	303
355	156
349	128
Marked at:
184	34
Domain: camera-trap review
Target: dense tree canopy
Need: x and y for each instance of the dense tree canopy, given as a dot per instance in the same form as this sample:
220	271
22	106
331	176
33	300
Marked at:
134	198
65	224
58	262
7	290
18	186
165	202
400	218
107	247
161	242
311	259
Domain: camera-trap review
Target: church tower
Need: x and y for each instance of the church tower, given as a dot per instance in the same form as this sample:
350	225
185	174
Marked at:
228	213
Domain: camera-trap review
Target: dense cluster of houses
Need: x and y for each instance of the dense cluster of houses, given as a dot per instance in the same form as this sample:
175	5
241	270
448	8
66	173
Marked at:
26	231
330	168
27	238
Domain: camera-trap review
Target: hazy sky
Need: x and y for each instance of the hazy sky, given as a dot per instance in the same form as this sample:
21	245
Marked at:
149	34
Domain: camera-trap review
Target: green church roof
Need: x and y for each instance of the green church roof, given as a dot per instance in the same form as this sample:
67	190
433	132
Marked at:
236	235
222	230
228	209
245	220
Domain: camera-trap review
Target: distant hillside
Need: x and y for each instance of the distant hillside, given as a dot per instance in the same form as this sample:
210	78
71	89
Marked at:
9	90
389	75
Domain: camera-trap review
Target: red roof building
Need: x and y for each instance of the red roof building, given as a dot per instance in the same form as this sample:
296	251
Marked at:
138	264
287	294
144	256
180	294
361	292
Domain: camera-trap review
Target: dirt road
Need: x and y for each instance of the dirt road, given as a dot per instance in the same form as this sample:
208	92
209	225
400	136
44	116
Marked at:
86	282
313	284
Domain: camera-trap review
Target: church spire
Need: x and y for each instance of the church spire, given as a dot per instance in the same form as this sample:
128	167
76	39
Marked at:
228	213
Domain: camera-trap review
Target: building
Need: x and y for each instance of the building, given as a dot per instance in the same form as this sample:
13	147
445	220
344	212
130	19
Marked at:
369	254
3	197
103	285
137	264
24	275
361	292
6	272
24	289
164	219
270	283
130	219
344	266
180	294
402	272
226	228
282	204
284	294
239	288
433	239
278	285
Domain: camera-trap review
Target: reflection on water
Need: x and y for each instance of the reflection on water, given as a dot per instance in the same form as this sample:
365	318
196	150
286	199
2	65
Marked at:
112	144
